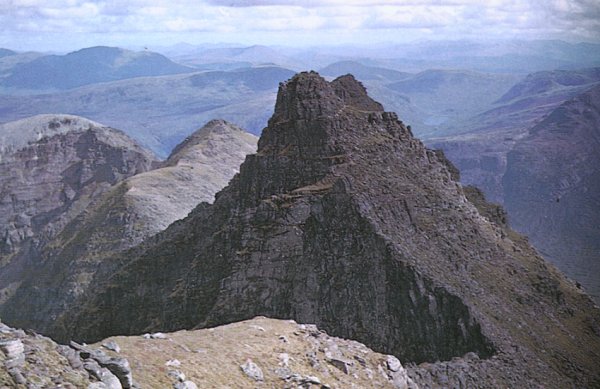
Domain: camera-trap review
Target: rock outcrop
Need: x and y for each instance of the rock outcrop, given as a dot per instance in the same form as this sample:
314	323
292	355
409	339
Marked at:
552	188
342	218
51	168
126	214
261	351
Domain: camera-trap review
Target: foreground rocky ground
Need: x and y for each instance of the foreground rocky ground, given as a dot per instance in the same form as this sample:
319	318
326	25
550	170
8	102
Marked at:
262	353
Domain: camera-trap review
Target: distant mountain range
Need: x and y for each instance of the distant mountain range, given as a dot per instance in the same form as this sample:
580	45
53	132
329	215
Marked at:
84	67
160	112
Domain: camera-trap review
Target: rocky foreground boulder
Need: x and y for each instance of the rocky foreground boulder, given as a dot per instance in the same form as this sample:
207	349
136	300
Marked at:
342	218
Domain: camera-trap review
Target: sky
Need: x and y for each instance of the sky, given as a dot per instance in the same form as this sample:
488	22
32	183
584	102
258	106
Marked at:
65	25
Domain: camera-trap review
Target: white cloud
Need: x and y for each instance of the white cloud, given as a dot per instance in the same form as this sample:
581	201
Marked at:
246	18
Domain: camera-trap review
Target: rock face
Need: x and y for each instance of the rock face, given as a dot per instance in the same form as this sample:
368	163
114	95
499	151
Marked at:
552	186
51	168
29	360
125	215
342	218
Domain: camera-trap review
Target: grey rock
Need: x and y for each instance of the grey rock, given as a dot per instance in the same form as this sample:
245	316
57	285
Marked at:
185	385
121	369
156	335
17	375
252	370
341	363
176	375
112	345
393	363
173	363
97	385
12	348
71	355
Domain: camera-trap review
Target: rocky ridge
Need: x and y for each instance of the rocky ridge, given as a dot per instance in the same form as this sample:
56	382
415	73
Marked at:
259	352
344	219
126	214
52	167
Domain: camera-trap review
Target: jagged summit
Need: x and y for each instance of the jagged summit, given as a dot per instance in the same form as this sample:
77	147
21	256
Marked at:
307	96
342	218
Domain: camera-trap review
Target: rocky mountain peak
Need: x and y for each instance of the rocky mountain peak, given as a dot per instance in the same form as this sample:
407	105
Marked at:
345	220
215	137
308	96
354	94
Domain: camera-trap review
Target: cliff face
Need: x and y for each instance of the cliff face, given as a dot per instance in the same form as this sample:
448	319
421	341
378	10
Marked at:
122	217
552	186
51	168
344	219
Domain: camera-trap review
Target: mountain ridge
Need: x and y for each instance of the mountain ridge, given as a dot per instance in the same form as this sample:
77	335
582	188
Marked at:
316	228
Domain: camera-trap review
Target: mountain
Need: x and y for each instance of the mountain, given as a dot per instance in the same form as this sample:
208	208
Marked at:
222	58
448	97
363	72
51	168
548	81
261	351
343	219
551	187
6	52
479	148
433	101
123	216
153	114
88	66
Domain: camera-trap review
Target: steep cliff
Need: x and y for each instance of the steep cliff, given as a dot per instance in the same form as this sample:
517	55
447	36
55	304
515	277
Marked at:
51	168
126	214
552	188
344	219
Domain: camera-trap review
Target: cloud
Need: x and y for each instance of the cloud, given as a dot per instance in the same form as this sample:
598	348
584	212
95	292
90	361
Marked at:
289	20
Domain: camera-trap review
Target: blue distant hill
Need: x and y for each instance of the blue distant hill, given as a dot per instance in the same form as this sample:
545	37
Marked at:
89	66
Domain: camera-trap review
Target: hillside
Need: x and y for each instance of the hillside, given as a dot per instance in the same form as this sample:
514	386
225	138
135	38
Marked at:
150	111
123	216
87	66
52	167
317	227
551	187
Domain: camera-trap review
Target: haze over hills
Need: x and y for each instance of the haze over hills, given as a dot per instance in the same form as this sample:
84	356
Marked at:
552	185
318	227
86	66
151	112
479	149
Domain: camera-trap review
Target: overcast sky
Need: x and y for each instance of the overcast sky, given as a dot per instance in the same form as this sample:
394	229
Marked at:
64	25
